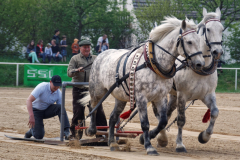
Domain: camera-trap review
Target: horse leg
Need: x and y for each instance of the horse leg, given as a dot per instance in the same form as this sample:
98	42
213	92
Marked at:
181	102
119	107
142	110
159	109
92	129
162	136
210	101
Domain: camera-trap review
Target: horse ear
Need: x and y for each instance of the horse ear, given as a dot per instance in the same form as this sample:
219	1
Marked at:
218	11
184	25
204	11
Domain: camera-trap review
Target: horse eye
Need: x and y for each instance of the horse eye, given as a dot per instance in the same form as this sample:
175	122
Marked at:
189	42
208	30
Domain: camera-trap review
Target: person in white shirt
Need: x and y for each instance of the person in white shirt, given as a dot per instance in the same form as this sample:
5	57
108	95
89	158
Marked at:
41	105
102	44
48	52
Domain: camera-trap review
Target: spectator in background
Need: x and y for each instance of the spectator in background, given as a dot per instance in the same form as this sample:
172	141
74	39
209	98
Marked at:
48	51
34	56
75	47
101	43
55	50
57	32
30	47
64	45
40	50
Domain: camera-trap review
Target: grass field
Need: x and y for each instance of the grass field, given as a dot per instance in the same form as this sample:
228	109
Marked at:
226	80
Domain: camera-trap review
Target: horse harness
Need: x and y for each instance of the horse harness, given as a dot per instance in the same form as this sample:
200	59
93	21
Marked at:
150	62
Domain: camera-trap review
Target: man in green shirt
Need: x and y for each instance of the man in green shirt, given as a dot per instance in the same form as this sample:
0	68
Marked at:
76	63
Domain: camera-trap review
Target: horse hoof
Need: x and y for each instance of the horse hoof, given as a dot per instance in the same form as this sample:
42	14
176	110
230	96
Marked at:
203	138
141	140
162	142
114	147
89	132
182	149
152	152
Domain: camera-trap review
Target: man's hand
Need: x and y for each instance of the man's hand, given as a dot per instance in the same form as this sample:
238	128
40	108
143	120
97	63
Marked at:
80	69
31	122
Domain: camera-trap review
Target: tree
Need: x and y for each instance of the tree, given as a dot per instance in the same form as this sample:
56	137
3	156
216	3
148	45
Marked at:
155	12
233	41
230	9
27	19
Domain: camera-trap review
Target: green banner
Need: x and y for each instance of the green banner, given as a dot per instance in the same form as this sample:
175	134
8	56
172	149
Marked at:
35	74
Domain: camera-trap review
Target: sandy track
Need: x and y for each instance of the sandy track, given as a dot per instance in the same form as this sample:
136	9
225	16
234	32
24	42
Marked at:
223	145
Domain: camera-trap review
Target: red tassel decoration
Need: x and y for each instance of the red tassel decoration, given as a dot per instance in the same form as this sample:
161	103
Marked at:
125	115
207	116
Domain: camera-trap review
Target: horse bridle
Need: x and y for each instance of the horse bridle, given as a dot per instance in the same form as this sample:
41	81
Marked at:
180	39
206	39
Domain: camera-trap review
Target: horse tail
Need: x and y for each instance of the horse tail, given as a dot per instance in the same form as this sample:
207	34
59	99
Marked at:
84	101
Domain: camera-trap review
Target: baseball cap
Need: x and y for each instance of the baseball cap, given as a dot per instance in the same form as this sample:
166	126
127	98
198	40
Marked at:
56	80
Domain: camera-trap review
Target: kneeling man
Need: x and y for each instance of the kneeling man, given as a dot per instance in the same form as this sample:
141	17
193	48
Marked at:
40	105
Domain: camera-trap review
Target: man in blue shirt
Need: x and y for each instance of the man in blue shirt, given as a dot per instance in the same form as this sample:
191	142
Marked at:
40	105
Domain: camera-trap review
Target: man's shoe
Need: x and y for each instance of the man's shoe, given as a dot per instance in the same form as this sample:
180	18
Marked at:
67	135
28	134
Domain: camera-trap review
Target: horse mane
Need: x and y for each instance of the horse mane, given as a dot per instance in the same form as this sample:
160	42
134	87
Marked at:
167	26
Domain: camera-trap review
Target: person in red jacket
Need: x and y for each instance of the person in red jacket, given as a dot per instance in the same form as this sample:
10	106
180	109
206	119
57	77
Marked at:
40	50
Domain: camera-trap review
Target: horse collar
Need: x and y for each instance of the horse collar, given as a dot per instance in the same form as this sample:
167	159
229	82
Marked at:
152	63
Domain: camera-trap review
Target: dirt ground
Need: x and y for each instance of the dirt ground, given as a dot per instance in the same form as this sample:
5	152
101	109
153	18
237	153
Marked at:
224	143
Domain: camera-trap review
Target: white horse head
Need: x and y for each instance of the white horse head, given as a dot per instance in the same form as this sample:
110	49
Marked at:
212	27
191	40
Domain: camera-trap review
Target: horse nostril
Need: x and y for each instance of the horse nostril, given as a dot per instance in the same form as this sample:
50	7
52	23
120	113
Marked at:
214	52
199	65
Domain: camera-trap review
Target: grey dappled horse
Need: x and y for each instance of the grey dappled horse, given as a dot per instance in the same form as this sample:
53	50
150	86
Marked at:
191	86
149	87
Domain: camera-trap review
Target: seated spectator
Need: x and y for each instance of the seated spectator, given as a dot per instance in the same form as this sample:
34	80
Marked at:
63	45
48	51
39	50
100	41
34	56
30	47
75	47
55	50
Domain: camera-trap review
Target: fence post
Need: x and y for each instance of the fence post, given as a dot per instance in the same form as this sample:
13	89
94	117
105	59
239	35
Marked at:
236	79
17	74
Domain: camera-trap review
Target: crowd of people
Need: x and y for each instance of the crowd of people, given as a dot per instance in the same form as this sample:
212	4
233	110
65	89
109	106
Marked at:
57	49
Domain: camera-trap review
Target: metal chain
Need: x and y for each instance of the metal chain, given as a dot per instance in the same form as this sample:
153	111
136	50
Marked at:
168	127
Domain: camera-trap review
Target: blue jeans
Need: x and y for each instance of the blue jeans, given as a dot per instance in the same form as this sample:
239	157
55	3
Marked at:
53	110
49	57
58	58
64	53
43	56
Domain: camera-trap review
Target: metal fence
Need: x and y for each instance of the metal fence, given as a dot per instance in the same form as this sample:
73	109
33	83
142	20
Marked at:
17	69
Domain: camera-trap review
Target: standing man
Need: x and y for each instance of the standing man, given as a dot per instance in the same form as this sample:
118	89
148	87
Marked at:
77	62
102	41
40	105
56	37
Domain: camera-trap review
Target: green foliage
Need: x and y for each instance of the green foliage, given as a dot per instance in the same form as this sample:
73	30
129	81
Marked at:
155	12
233	42
230	9
25	20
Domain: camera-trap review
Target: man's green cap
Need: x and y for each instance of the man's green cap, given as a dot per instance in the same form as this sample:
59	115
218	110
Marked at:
84	42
